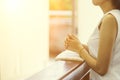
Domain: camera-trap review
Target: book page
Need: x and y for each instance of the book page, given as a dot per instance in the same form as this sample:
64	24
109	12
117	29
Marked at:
69	55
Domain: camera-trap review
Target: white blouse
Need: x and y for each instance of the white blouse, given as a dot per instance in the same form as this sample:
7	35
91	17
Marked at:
114	68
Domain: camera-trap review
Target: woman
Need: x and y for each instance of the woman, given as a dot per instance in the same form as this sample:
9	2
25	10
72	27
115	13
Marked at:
103	46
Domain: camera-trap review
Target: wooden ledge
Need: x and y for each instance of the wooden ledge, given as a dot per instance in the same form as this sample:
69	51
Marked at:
61	70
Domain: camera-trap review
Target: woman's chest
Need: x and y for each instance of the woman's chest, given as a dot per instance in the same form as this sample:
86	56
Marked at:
93	43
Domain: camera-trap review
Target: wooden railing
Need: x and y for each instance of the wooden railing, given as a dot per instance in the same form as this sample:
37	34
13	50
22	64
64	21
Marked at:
62	70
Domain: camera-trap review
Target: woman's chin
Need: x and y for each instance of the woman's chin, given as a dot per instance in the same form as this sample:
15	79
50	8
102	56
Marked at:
95	4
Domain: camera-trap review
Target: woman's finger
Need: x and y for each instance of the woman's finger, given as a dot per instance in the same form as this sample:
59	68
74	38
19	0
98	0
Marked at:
74	36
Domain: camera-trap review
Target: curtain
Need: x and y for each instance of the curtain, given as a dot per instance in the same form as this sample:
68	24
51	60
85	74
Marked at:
24	41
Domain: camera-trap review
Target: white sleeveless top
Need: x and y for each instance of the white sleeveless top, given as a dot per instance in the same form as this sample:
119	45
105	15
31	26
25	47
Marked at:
114	68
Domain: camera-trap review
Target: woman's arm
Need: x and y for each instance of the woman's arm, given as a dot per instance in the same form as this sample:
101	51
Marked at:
108	32
86	47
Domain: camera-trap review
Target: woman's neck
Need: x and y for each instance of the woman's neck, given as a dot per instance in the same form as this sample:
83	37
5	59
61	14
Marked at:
106	7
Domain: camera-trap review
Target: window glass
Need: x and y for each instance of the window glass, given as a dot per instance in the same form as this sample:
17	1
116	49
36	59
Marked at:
61	23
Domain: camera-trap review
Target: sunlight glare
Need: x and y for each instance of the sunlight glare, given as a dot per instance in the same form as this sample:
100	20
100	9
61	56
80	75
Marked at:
12	5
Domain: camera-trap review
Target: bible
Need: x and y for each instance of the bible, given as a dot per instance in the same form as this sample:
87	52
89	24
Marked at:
68	55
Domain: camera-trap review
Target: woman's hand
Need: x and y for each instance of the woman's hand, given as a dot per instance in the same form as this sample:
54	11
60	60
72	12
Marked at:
72	43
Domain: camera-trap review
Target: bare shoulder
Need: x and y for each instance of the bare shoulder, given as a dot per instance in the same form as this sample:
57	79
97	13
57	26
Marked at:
109	21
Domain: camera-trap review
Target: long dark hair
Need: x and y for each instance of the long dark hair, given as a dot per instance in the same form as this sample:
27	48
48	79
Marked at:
116	3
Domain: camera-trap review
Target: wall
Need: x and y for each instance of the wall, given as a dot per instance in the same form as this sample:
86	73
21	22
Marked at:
88	18
23	37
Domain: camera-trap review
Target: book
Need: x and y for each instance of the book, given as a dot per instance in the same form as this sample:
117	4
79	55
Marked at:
68	55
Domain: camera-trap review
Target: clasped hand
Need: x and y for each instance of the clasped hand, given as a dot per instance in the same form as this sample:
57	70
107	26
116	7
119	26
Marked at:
72	43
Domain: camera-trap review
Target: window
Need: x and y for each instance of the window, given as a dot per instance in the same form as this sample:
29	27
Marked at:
62	21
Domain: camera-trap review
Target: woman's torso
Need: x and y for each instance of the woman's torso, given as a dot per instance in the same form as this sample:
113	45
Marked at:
114	71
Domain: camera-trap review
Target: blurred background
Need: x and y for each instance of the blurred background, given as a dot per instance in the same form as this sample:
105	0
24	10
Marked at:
32	32
63	21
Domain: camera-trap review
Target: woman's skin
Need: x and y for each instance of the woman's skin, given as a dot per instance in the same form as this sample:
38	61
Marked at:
107	33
